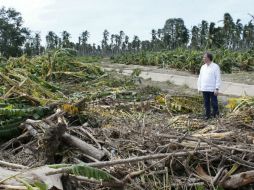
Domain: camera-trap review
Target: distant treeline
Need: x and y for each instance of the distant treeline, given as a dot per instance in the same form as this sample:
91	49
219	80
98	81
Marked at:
15	39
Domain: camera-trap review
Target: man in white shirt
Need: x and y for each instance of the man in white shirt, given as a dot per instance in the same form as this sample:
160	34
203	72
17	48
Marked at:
209	83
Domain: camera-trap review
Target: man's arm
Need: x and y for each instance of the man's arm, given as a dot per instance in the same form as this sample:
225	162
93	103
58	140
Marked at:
217	80
199	80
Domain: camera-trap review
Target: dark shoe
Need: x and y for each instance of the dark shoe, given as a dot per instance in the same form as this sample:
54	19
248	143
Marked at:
216	116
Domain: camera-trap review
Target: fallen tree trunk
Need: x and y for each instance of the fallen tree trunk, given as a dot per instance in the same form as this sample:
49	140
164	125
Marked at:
238	180
52	138
215	135
12	165
135	159
148	157
83	146
14	187
226	180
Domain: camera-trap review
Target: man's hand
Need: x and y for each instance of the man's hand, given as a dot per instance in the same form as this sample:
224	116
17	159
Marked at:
216	92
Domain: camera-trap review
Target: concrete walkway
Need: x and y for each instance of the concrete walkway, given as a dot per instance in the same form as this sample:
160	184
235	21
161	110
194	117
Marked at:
180	78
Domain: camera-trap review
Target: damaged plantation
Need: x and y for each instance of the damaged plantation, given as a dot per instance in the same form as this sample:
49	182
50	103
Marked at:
71	125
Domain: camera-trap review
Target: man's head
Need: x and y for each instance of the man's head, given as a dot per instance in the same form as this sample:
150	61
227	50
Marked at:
207	58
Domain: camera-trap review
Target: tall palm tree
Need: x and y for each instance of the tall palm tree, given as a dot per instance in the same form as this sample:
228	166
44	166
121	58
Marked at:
203	34
66	39
195	38
175	33
237	35
228	29
136	43
37	44
83	41
52	40
104	42
248	35
125	43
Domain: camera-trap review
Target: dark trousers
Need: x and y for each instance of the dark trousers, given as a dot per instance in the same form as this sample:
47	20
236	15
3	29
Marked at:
210	98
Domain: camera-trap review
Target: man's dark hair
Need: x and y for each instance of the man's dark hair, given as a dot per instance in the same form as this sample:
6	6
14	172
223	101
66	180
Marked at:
210	56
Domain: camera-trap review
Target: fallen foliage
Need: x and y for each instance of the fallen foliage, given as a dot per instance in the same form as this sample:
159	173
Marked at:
83	128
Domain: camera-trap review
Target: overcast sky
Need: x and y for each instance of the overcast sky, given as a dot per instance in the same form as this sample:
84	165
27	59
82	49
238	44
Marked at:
132	16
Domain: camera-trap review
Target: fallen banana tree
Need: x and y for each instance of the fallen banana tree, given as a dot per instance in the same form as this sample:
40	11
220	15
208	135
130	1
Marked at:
102	131
192	154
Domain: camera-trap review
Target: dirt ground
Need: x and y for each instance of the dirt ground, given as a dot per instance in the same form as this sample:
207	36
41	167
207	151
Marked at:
247	78
238	77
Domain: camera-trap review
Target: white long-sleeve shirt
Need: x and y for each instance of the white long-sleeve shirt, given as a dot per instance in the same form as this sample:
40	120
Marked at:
209	77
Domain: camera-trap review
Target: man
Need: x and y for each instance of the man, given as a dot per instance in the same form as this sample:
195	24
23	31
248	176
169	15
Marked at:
209	83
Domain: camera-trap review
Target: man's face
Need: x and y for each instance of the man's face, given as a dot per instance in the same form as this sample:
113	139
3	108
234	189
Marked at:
206	59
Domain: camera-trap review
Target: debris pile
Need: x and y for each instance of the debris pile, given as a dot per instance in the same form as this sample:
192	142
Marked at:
78	127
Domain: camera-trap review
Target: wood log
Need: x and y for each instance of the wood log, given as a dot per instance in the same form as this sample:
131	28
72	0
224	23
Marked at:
12	165
51	135
83	146
238	180
215	135
148	157
136	159
203	175
14	187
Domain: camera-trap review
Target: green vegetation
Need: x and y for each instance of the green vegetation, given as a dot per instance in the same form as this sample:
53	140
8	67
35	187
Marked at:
190	60
89	59
28	86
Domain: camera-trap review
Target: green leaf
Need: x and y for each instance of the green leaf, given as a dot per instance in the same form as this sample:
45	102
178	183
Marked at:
57	166
90	172
200	187
29	187
40	185
9	107
36	116
85	171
